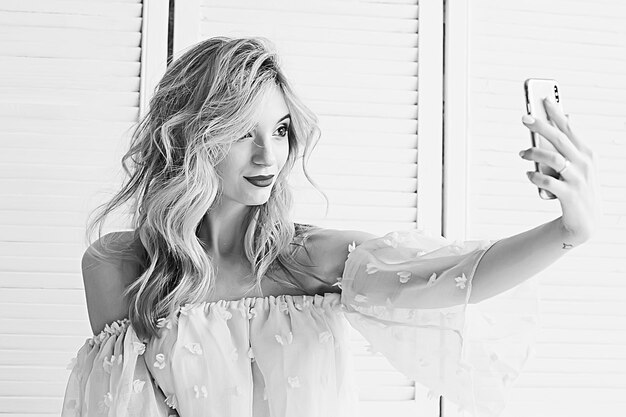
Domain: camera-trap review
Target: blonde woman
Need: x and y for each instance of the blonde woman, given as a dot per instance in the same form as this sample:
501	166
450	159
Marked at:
217	304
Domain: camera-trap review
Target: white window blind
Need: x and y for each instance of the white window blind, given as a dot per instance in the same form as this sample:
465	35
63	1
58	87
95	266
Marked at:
579	365
355	64
69	94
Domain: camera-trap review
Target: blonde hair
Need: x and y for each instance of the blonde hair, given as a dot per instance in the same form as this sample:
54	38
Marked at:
203	103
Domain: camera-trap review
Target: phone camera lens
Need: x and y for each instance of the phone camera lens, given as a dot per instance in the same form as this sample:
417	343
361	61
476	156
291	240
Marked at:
556	93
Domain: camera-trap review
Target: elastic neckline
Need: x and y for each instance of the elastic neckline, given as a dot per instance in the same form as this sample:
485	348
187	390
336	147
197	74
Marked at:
249	302
118	326
267	297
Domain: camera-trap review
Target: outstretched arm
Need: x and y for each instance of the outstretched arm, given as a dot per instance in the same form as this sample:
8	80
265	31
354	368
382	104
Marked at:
511	261
506	264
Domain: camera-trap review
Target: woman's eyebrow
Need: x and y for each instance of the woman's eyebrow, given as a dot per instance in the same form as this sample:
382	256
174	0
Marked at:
284	117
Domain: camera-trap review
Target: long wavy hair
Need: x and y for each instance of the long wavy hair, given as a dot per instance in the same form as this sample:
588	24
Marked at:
205	101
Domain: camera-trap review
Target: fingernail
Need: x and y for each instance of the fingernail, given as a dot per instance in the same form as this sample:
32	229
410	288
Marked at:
529	174
528	119
521	153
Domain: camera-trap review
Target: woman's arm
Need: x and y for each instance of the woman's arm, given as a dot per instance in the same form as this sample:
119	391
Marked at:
506	264
106	281
513	260
329	250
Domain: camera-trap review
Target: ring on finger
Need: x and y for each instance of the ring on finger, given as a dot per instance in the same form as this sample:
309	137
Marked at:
565	166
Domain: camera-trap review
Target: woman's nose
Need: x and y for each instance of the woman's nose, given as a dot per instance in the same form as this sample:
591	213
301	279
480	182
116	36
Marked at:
263	152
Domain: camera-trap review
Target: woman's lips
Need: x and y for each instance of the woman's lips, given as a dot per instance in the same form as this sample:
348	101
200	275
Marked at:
261	180
261	177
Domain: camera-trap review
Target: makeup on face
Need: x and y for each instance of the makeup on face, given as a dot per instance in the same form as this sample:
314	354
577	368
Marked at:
261	180
251	167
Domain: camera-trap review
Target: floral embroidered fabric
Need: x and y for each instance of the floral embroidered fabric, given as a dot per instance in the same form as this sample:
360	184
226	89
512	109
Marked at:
407	293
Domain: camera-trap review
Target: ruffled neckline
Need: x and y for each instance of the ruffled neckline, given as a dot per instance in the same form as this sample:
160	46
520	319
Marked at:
119	326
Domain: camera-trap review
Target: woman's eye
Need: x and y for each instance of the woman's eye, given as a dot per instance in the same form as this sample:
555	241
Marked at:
284	129
248	135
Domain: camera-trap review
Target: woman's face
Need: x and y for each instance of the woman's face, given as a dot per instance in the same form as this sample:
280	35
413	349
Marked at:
263	152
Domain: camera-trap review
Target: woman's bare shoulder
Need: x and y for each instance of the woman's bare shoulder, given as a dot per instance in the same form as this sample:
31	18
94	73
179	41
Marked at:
109	265
123	247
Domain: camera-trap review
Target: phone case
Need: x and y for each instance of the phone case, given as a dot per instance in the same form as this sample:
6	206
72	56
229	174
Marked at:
536	89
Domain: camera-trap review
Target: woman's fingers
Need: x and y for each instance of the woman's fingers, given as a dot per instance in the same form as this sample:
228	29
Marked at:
545	157
556	137
564	124
547	182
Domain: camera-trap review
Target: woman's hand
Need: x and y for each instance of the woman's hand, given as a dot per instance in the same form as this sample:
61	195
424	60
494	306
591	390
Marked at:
576	188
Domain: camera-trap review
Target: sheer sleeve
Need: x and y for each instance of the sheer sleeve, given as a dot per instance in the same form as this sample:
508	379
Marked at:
109	378
408	294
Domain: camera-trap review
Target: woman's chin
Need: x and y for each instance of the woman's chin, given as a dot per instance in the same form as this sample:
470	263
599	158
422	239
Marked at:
257	200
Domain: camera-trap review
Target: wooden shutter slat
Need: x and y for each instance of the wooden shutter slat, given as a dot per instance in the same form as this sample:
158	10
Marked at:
43	310
360	198
325	8
27	19
91	37
67	112
92	84
328	21
305	33
62	68
49	95
77	49
81	8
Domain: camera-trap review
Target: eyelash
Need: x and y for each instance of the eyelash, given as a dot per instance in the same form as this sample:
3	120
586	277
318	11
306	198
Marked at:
284	125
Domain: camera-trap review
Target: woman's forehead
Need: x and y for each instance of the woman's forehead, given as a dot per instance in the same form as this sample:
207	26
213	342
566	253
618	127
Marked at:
272	107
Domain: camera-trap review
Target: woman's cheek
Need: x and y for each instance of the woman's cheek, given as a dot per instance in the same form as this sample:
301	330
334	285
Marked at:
284	153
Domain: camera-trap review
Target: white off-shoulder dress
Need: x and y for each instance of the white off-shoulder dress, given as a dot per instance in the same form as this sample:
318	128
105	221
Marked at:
407	293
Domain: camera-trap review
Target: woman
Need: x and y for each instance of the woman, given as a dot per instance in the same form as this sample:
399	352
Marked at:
217	304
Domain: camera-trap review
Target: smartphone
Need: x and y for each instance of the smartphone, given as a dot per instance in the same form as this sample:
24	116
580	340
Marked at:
535	90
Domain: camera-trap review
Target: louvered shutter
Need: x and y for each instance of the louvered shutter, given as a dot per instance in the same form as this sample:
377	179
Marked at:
579	367
356	66
69	94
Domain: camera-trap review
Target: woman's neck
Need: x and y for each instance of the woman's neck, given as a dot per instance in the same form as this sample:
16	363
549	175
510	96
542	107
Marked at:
223	230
